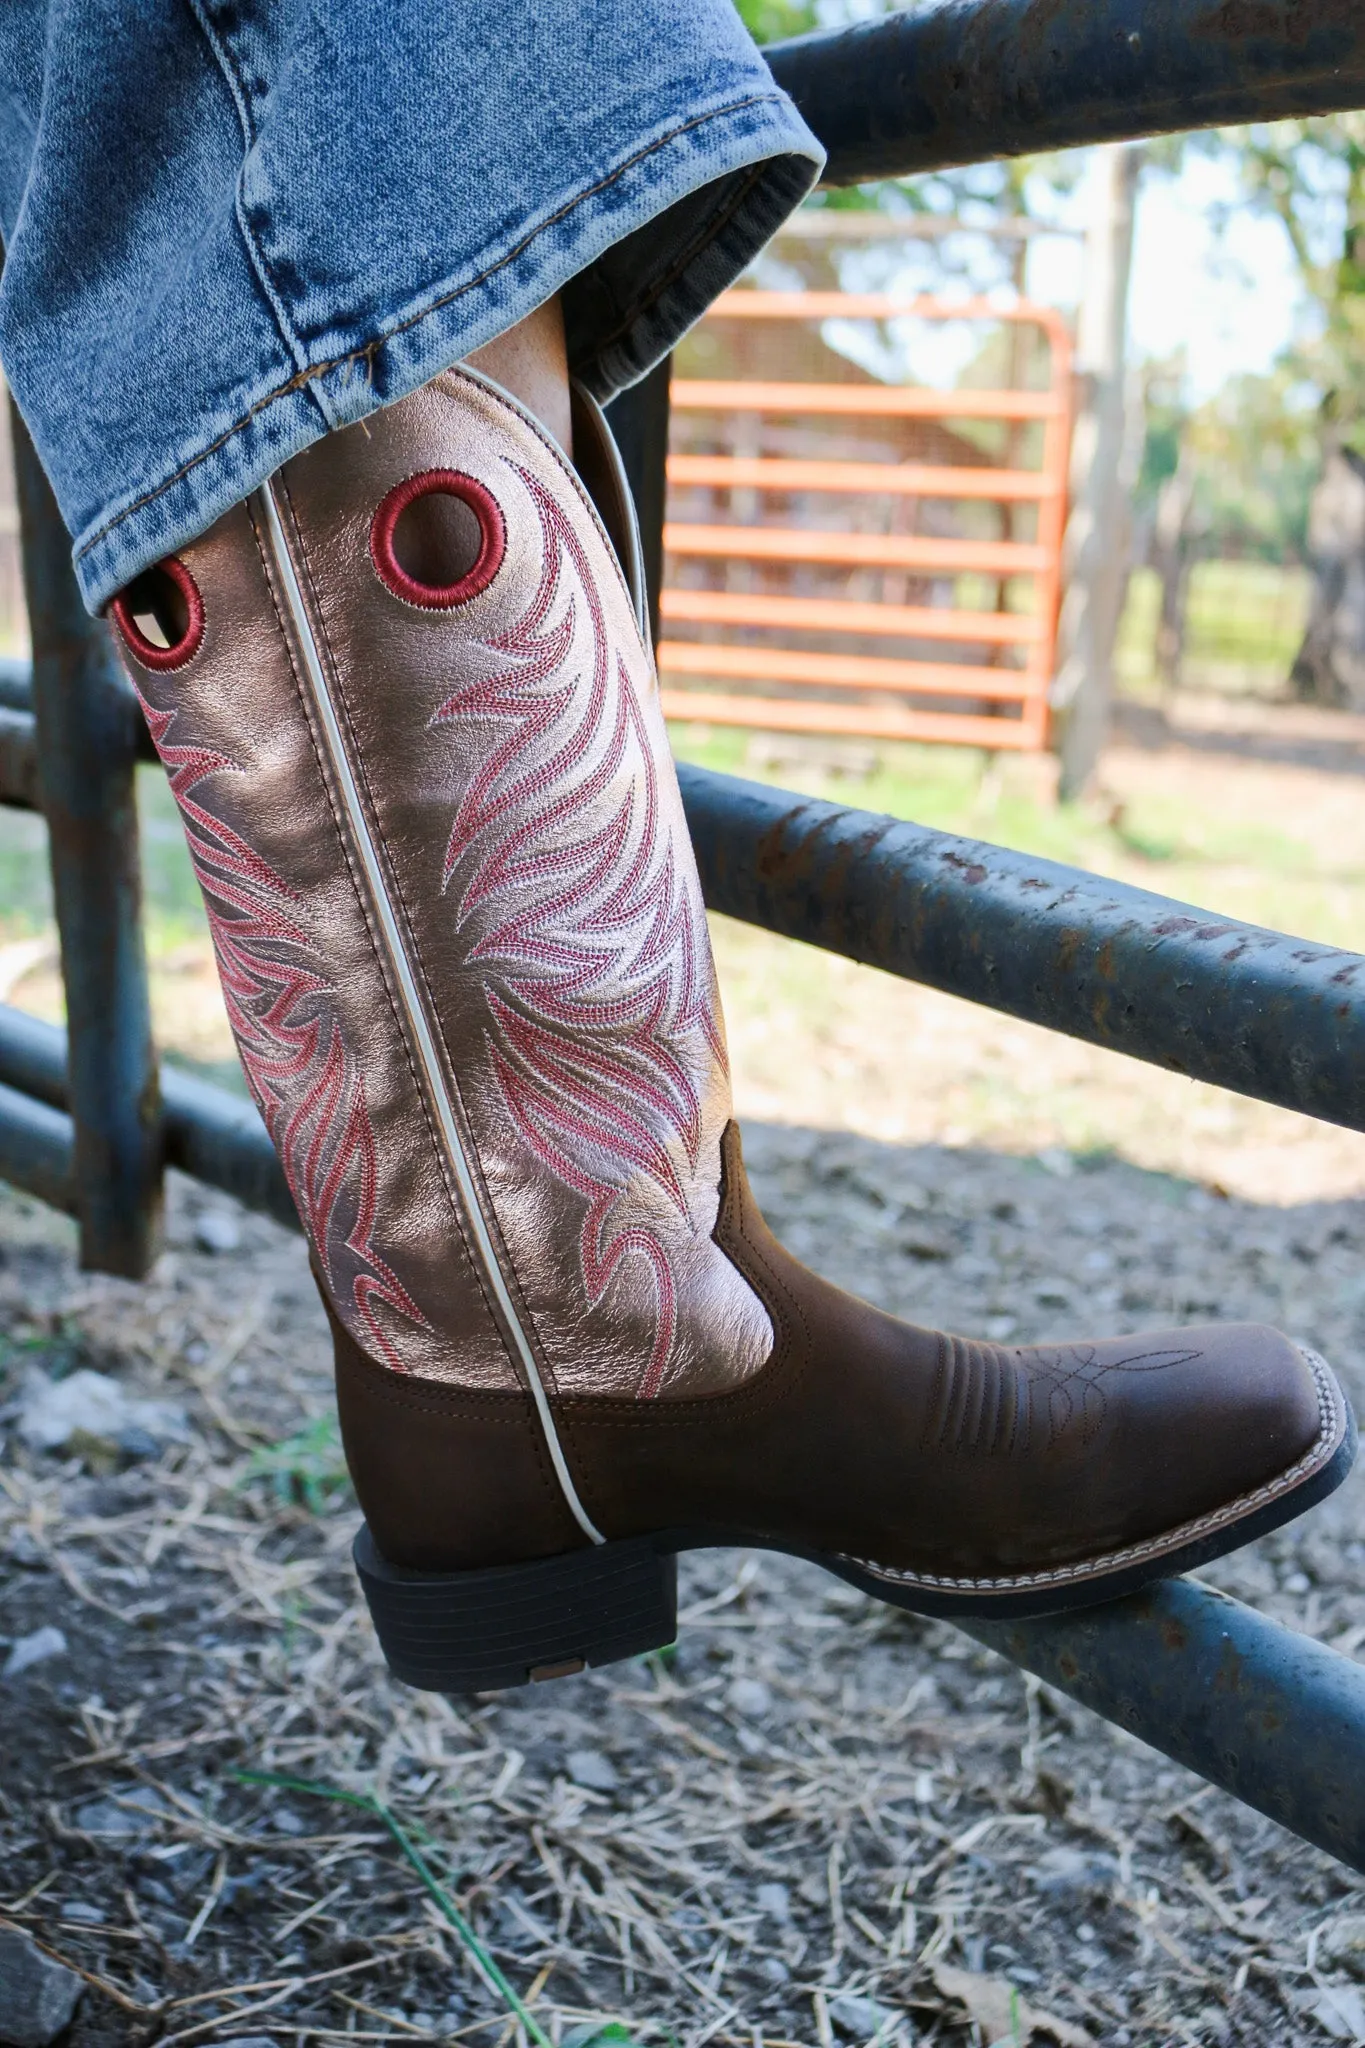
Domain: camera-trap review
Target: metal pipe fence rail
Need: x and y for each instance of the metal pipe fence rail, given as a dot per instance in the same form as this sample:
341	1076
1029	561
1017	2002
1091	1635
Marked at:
965	81
1248	1009
89	1124
86	726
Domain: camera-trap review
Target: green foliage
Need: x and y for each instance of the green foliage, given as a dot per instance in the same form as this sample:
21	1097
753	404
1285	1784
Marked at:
1257	447
1252	453
1310	177
769	21
307	1468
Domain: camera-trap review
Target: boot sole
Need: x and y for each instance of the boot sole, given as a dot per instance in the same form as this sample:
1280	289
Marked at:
489	1629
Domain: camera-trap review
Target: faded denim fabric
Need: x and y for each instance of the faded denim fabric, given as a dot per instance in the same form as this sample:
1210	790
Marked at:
232	225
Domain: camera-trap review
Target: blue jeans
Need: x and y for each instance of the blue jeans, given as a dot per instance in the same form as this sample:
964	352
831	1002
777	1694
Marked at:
232	225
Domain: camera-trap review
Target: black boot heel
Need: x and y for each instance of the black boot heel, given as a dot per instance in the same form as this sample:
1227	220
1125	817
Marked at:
479	1631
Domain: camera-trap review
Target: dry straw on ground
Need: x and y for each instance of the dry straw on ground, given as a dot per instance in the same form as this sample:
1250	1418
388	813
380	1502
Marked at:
817	1822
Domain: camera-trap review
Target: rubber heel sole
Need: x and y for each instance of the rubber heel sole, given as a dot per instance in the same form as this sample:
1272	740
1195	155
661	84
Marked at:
481	1631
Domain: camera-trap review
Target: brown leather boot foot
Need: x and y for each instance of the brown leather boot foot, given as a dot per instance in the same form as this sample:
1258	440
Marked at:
944	1476
414	730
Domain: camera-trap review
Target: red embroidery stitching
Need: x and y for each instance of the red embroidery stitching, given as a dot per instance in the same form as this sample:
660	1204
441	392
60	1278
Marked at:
297	1064
190	641
605	963
451	483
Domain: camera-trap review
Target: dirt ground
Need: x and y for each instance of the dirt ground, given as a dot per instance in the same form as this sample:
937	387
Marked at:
817	1822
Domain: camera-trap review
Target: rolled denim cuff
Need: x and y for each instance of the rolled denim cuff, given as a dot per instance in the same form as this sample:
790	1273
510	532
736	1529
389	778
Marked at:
639	253
732	186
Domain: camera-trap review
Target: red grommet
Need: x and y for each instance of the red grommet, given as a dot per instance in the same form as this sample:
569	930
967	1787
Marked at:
147	651
450	483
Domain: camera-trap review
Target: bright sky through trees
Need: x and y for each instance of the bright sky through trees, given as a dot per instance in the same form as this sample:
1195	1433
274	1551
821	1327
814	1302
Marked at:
1230	301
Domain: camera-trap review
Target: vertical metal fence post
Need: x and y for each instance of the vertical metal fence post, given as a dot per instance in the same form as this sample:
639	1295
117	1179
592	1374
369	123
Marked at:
87	726
639	423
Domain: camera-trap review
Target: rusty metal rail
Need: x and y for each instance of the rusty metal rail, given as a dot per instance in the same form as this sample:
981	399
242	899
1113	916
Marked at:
207	1131
967	80
86	733
1248	1009
1273	1717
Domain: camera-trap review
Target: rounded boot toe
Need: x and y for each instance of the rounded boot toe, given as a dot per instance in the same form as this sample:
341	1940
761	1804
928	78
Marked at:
1196	1431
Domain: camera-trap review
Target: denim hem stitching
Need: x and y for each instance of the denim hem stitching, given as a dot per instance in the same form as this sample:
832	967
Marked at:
713	225
371	349
274	297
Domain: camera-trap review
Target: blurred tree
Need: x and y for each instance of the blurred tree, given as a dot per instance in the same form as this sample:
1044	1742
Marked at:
1231	477
1310	177
1256	450
1251	455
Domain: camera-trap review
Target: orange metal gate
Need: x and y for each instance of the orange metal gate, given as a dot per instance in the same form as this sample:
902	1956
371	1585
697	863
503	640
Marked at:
761	594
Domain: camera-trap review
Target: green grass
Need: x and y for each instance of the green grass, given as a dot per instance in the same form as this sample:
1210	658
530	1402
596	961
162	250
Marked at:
25	889
307	1469
1244	625
960	789
175	926
1220	853
175	913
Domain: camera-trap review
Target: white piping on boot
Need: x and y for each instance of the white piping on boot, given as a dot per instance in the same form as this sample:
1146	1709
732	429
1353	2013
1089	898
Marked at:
414	1009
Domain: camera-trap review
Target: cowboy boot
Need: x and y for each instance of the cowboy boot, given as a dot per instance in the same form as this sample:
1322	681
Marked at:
407	708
